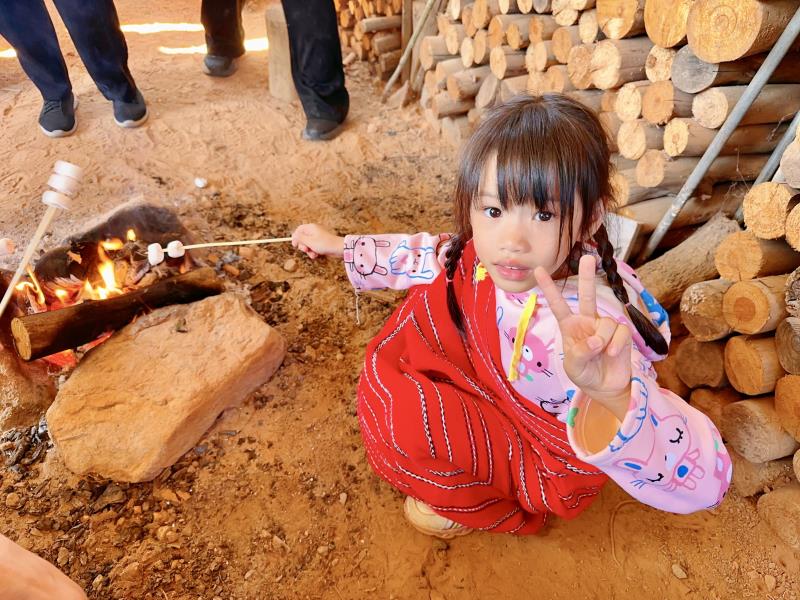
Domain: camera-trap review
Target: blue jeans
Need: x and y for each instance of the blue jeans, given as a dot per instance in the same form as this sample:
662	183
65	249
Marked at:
94	28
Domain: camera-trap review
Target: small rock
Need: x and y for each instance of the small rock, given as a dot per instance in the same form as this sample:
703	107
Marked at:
98	582
231	270
200	182
161	532
63	556
13	500
290	265
184	495
323	550
678	571
770	582
278	543
343	498
166	494
171	536
247	252
339	356
334	562
249	574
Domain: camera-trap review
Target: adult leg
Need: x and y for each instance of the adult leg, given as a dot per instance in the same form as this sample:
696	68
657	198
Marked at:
222	21
28	28
94	28
317	60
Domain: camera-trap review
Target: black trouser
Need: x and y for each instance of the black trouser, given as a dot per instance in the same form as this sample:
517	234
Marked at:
94	28
313	41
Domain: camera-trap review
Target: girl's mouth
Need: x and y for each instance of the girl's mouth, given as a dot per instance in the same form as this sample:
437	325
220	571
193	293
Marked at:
513	272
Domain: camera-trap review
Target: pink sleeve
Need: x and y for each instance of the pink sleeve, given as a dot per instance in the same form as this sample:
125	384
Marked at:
665	453
393	260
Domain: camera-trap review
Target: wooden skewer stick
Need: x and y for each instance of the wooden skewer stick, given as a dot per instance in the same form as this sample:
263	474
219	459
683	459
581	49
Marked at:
175	249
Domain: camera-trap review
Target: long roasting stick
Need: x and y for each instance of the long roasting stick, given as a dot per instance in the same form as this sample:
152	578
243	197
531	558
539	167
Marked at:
175	249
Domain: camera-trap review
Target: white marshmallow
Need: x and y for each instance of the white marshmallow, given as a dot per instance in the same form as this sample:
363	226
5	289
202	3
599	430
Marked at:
57	200
62	167
175	249
62	183
7	246
155	254
200	182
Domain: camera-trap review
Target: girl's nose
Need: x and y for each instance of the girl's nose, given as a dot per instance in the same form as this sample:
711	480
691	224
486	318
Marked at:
514	238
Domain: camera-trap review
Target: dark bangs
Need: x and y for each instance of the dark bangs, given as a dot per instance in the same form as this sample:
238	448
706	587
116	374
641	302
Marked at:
551	152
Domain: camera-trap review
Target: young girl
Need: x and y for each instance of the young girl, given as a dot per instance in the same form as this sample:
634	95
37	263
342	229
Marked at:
495	397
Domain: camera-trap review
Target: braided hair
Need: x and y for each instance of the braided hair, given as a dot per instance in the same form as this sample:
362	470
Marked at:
551	152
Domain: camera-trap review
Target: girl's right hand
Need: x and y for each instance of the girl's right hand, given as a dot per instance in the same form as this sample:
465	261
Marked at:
316	241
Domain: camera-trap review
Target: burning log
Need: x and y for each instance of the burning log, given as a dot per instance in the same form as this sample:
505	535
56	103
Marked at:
46	333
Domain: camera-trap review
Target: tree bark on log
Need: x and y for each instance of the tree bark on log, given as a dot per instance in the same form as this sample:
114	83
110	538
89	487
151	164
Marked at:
766	207
702	364
661	102
669	275
752	364
621	18
616	62
665	21
701	310
753	429
773	104
787	344
787	404
742	256
755	306
711	402
656	169
725	30
686	137
46	333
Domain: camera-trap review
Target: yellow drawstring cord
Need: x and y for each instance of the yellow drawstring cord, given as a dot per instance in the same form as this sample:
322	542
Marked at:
522	328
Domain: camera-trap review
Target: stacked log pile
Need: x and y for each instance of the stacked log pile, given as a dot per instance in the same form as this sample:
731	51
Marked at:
371	30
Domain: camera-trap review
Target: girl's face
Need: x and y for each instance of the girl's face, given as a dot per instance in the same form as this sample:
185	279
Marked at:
511	243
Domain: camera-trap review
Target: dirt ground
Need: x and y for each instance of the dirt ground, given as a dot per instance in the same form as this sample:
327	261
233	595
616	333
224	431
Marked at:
277	501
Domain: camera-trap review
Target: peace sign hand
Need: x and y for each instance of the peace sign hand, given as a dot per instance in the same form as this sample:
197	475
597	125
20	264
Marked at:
597	350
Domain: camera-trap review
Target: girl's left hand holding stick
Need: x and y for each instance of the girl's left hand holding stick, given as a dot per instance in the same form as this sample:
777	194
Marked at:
316	241
597	350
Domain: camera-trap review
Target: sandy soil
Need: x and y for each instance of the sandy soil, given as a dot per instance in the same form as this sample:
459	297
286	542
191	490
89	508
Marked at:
277	501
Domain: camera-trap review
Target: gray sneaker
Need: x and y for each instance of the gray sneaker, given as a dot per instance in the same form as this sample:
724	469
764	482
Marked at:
219	66
130	114
57	118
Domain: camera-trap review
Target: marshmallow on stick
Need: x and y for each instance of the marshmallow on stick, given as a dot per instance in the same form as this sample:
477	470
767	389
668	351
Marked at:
176	249
65	182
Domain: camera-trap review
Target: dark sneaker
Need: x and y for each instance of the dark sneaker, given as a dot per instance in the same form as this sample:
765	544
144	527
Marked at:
130	114
57	118
219	66
318	130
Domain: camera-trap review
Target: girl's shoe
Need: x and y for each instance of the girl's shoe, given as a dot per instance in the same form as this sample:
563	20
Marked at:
423	518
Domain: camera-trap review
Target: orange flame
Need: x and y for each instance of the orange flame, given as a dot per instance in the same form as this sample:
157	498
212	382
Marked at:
131	235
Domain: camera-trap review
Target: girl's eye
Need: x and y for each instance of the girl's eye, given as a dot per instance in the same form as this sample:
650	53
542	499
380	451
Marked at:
543	216
492	212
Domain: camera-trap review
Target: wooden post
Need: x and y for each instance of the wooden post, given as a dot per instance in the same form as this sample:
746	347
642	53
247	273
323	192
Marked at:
787	344
701	364
755	306
701	310
752	364
753	429
407	28
281	84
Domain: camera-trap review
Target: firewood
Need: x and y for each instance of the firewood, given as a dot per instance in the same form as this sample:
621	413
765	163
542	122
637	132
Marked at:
541	28
582	4
752	428
793	293
667	371
434	121
564	39
589	98
483	11
538	83
711	402
480	46
657	169
541	6
701	364
751	478
496	32
774	103
725	30
780	509
46	333
513	86
658	66
766	207
665	21
621	18
467	53
686	137
443	24
453	38
608	101
636	137
465	84
670	274
508	7
506	62
388	62
386	42
661	102
456	7
694	75
627	190
373	24
466	20
755	306
559	80
579	66
629	100
525	6
787	403
615	62
443	105
701	309
787	344
485	98
518	33
539	56
742	256
475	115
588	29
793	228
432	51
567	17
456	130
623	192
752	365
790	164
